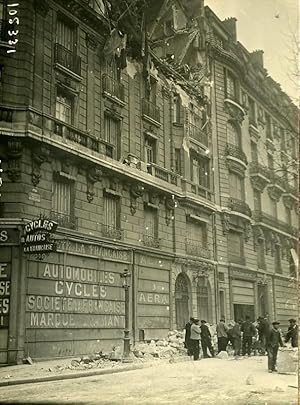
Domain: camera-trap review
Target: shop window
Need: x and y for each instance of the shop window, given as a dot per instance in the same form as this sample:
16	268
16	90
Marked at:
235	247
112	135
257	200
236	186
64	106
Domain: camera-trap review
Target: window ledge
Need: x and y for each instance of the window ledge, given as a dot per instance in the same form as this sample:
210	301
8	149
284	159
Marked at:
151	120
68	71
113	98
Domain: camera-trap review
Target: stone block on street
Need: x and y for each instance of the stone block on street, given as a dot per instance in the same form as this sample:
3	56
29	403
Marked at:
222	355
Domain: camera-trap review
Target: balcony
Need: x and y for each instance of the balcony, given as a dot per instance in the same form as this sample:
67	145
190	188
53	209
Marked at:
162	173
113	89
151	112
239	206
75	135
233	107
194	248
259	175
67	60
64	220
273	222
198	135
112	232
233	151
197	189
151	241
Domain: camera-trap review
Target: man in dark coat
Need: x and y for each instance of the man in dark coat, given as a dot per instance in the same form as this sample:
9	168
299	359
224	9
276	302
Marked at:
236	338
249	332
187	338
206	340
263	329
273	343
292	333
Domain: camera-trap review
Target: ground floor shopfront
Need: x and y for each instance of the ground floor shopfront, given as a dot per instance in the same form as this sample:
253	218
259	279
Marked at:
73	302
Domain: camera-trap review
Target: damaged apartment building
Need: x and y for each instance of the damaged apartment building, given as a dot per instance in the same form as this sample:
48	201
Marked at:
158	145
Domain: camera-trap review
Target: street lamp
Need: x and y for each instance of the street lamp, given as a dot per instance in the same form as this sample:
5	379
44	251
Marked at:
126	352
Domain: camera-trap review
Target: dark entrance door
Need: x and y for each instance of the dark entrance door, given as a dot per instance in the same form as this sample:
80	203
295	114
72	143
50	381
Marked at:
181	301
202	300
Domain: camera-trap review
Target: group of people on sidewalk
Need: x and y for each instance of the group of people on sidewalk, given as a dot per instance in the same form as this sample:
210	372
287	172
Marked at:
245	337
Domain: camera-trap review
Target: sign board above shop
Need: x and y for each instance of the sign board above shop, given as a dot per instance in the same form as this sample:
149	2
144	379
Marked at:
38	237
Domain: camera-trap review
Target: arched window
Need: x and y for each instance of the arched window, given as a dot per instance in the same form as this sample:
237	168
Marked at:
181	300
233	135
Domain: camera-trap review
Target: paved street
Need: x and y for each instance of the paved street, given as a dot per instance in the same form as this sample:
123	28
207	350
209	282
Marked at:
208	381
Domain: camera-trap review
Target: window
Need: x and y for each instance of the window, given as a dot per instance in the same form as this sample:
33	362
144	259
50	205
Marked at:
64	106
197	232
150	149
273	208
65	34
268	127
233	135
235	247
177	161
150	227
62	205
277	258
222	303
150	90
270	162
176	109
111	211
252	112
112	135
236	186
254	153
230	86
200	171
288	216
257	200
261	254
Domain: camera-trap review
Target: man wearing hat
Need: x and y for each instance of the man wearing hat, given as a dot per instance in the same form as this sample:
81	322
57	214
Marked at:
292	333
195	337
273	343
187	338
206	340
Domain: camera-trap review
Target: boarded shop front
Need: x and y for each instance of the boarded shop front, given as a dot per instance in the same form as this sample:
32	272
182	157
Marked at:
153	297
285	300
75	301
243	294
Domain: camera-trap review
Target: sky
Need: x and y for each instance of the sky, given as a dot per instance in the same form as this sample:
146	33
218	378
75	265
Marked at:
270	25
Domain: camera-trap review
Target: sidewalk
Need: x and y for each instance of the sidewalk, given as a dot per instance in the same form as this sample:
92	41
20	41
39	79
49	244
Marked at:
61	369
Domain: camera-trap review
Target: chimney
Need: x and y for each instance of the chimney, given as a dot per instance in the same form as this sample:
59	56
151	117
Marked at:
230	25
257	57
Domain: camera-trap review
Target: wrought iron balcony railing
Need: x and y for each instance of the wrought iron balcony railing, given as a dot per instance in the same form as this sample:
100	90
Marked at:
163	174
267	219
67	59
64	220
150	110
151	241
190	187
236	152
112	232
112	87
198	134
75	135
194	248
239	206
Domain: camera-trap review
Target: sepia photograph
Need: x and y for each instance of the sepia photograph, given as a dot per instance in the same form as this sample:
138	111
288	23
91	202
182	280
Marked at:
149	193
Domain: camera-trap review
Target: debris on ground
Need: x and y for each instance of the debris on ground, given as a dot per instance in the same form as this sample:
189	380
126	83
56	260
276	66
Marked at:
28	360
287	361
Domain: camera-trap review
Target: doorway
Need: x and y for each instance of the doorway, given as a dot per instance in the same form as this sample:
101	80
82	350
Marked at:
181	300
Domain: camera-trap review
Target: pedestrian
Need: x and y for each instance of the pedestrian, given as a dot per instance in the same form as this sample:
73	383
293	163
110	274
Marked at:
263	329
206	340
236	338
273	343
187	338
195	337
222	335
249	332
292	333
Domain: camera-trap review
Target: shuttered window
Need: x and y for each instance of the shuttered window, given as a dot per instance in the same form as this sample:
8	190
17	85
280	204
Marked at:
197	232
112	134
150	149
150	222
235	247
254	153
236	184
64	107
111	211
65	35
62	193
200	171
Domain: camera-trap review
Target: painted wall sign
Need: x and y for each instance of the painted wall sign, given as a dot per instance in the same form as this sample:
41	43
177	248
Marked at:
8	236
37	237
4	294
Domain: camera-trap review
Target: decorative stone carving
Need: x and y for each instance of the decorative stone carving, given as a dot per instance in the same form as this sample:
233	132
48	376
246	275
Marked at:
236	113
258	183
14	153
39	155
225	219
235	167
275	192
136	191
94	174
262	279
92	42
258	235
41	7
247	230
66	165
289	201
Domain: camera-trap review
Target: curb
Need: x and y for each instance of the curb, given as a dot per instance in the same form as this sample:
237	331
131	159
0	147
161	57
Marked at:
33	380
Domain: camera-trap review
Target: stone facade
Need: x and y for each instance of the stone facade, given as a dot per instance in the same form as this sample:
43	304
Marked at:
132	160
